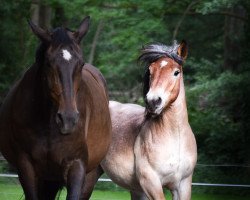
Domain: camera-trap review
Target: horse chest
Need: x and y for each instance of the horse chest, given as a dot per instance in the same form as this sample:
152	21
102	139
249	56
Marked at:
165	156
48	149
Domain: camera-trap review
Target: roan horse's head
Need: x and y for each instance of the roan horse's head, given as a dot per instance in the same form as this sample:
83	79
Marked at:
163	75
62	62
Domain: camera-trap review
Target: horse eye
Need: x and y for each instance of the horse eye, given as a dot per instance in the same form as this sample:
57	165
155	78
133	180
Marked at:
176	73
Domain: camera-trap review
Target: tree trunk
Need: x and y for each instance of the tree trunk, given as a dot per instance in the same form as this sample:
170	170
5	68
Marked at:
41	13
94	43
178	25
44	16
35	11
233	30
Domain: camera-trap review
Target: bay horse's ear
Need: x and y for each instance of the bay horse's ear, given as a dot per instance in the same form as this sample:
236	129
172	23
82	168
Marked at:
182	50
39	32
82	30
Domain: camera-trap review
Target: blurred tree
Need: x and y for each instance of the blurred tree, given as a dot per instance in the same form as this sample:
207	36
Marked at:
41	13
13	41
216	71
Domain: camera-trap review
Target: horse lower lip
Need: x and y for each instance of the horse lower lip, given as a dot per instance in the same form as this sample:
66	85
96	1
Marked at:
152	113
63	132
66	131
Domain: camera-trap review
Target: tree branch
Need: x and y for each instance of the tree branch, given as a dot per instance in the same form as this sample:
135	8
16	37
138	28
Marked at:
94	43
182	19
225	13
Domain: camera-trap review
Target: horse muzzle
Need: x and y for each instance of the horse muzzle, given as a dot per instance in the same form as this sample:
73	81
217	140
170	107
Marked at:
67	121
154	106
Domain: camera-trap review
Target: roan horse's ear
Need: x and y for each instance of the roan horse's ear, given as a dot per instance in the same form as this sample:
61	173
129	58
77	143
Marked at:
39	32
182	50
82	30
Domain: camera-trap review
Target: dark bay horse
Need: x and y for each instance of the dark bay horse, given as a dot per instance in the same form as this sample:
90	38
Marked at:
154	147
55	123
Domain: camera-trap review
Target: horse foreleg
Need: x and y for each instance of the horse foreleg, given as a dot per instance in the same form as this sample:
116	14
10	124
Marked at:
27	178
47	190
75	180
185	188
150	183
183	191
175	194
91	179
138	196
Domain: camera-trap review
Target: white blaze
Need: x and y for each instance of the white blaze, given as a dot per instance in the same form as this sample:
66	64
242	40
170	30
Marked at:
163	63
66	54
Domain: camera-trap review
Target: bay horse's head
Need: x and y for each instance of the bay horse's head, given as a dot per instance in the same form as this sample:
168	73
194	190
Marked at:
60	58
163	75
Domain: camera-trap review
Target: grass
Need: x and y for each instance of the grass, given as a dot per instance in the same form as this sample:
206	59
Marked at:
14	192
98	195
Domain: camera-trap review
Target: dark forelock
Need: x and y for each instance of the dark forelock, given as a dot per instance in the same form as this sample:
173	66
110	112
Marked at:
151	53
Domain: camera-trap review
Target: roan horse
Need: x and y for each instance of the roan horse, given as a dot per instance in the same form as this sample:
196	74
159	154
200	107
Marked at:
55	123
154	147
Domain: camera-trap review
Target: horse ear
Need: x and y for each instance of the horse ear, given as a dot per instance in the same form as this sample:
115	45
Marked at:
39	32
82	30
182	50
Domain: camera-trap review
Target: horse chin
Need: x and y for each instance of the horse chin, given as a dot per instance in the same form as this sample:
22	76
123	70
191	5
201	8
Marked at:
154	113
66	130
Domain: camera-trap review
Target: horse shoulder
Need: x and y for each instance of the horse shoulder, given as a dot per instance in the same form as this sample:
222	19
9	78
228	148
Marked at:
14	113
13	107
97	116
97	75
189	149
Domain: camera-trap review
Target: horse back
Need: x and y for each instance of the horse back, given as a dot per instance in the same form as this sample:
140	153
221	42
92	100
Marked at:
126	124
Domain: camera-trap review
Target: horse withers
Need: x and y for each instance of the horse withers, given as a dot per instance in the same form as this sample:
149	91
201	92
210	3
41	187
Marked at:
55	123
153	147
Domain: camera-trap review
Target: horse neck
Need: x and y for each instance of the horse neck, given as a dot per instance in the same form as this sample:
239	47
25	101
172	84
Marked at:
41	89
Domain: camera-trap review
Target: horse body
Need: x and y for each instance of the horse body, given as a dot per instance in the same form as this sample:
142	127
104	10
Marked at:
154	147
165	153
163	149
54	136
119	162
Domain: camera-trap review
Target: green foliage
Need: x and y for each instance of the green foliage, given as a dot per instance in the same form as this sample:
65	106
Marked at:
15	42
218	98
216	109
218	113
209	6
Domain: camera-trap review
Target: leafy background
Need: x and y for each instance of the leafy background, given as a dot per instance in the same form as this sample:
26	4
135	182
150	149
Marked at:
216	73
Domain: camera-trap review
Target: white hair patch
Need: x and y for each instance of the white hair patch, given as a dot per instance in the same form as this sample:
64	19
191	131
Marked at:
163	63
66	54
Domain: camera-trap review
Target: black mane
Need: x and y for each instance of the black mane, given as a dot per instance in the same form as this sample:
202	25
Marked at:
60	37
153	52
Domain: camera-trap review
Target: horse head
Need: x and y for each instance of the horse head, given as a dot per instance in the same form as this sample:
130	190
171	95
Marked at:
163	75
62	63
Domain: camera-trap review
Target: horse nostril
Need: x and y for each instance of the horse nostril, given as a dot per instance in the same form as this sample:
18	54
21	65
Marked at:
156	102
67	121
59	118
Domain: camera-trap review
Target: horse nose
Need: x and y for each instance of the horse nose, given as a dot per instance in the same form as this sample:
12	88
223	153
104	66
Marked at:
67	121
154	103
